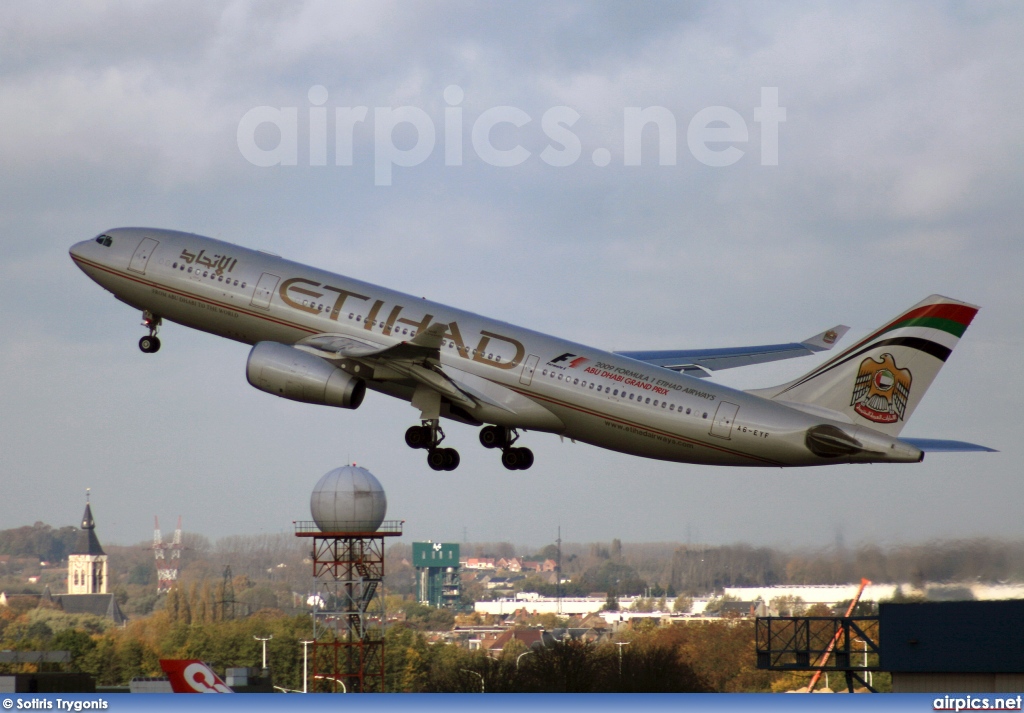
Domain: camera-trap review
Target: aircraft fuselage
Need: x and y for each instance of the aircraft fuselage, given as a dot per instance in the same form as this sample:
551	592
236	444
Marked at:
531	381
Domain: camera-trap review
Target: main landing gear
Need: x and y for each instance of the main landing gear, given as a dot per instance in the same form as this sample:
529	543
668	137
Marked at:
151	343
503	438
429	437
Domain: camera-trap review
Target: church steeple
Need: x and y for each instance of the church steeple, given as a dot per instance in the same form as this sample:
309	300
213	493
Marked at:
87	522
87	563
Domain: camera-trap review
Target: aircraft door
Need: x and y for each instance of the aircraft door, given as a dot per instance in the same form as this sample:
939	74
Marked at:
529	367
141	256
264	290
725	416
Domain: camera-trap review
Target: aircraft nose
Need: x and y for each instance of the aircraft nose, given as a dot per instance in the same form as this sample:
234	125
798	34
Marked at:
76	250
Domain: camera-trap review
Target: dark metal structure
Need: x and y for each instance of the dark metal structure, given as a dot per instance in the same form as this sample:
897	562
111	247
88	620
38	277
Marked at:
805	643
348	606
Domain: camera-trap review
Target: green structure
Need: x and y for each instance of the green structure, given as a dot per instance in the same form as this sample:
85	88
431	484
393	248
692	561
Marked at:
437	567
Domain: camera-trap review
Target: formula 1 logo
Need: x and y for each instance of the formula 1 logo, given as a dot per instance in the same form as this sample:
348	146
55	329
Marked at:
568	361
881	390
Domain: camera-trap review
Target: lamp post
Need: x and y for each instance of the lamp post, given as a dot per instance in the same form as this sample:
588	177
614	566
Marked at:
466	670
620	644
344	688
305	665
870	677
264	640
521	656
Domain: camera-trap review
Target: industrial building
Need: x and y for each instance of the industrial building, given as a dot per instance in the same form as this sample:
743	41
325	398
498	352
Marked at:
953	647
438	579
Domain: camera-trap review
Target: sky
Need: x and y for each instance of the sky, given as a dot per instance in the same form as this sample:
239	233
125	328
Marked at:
892	170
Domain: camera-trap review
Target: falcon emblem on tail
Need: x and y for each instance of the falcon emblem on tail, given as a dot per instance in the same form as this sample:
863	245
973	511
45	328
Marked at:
881	390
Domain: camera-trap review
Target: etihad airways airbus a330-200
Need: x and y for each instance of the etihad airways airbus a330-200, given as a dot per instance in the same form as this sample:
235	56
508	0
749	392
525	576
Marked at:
324	338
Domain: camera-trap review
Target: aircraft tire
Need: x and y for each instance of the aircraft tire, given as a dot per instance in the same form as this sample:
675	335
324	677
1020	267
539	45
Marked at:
510	458
149	345
526	458
417	437
436	458
451	458
493	436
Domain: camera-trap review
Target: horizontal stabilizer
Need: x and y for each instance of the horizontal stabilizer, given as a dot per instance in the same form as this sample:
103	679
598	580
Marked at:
940	445
695	361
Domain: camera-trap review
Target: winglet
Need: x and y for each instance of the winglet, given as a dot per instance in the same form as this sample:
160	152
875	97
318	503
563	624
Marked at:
827	339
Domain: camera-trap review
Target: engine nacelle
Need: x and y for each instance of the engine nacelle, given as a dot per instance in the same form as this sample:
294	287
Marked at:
293	374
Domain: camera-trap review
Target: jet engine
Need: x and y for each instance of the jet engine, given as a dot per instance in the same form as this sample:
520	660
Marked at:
293	374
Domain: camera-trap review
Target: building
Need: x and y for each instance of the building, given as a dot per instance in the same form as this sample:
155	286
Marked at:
952	647
438	580
87	564
88	577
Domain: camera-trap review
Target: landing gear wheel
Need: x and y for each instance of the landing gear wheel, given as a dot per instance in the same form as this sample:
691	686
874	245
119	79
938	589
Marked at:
418	437
526	458
510	458
437	459
149	344
494	437
517	458
451	458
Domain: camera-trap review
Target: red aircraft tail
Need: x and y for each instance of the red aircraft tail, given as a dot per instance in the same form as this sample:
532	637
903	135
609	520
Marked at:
192	676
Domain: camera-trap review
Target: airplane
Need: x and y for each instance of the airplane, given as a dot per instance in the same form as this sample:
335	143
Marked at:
323	338
192	676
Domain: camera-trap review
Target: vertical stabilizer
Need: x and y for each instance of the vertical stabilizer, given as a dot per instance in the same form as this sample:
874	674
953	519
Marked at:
879	381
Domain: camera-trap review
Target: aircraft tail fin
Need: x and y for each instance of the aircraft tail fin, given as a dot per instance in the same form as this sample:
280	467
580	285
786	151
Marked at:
192	676
879	381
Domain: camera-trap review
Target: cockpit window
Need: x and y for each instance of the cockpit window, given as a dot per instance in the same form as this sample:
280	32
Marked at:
104	240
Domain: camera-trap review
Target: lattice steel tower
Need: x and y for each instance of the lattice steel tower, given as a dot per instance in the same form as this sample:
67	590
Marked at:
348	607
166	571
348	533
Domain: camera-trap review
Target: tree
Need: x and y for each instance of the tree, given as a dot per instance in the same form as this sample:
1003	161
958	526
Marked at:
611	603
787	605
611	576
683	604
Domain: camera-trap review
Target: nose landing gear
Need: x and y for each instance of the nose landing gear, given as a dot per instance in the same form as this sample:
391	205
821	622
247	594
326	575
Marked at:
503	438
151	343
429	437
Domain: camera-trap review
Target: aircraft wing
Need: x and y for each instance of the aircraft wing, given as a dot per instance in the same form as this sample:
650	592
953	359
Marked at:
417	360
425	345
698	362
939	445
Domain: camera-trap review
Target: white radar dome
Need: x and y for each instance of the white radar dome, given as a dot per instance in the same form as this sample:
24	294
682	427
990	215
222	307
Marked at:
348	499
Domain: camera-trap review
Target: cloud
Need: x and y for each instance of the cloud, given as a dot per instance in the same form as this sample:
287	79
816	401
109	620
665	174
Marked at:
899	173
